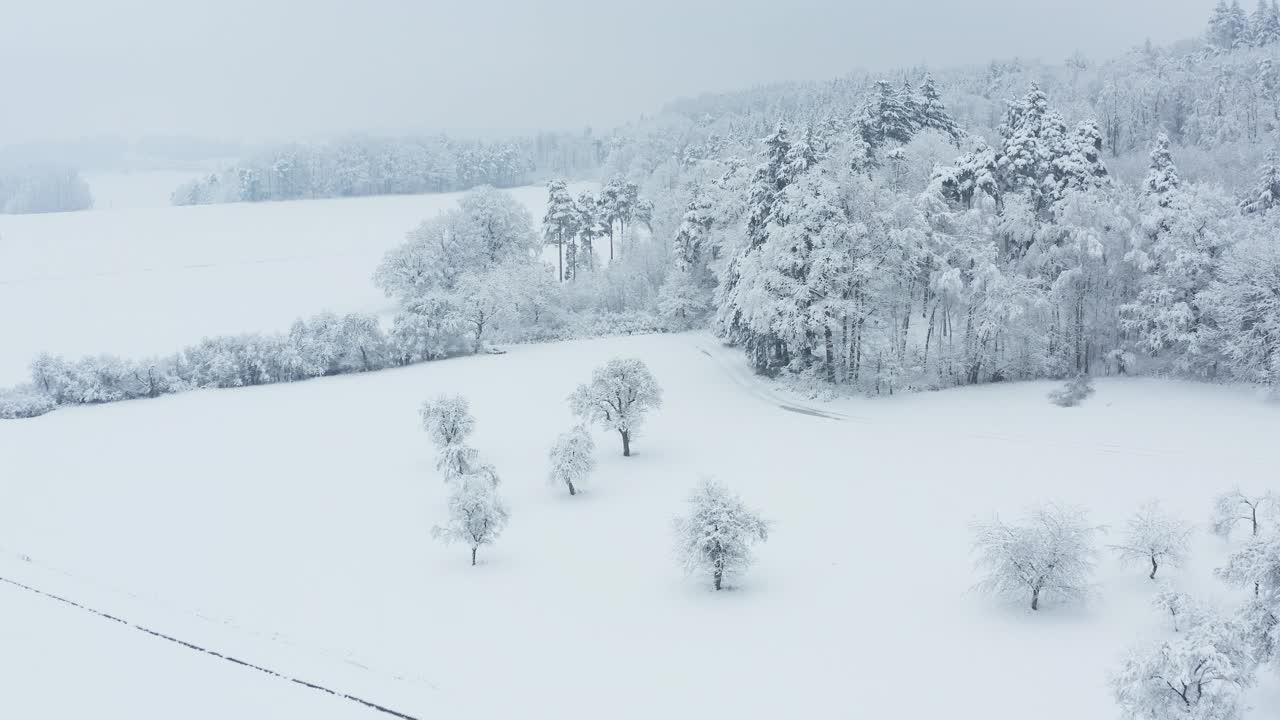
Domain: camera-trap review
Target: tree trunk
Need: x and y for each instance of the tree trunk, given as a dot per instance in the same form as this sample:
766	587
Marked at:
830	355
719	578
1154	567
1035	598
626	442
473	556
571	490
560	259
611	243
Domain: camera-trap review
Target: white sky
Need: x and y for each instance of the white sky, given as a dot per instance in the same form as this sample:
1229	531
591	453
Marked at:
256	69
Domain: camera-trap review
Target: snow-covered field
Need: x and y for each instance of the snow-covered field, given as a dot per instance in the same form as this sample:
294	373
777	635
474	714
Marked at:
288	526
294	519
145	279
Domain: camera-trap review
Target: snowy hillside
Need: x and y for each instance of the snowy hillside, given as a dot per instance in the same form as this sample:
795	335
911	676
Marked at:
294	519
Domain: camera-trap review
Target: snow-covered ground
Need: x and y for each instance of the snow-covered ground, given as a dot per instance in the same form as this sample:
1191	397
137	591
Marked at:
288	525
146	279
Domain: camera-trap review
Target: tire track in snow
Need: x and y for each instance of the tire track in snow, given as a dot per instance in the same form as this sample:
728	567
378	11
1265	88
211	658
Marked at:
757	388
154	601
210	652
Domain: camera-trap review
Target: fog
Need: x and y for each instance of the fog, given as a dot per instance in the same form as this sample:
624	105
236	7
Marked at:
269	69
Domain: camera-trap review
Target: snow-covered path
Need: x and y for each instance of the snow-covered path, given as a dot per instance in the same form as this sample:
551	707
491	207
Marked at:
302	512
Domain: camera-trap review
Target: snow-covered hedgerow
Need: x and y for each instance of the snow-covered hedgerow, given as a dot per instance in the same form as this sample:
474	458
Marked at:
324	345
24	401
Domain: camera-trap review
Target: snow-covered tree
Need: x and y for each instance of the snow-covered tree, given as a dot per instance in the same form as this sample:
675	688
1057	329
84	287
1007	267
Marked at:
889	116
496	226
477	515
1264	24
1199	676
1235	507
1228	26
448	420
717	534
590	228
1244	304
1266	192
931	114
1154	538
572	459
559	225
1183	610
1073	392
618	397
1052	552
1257	564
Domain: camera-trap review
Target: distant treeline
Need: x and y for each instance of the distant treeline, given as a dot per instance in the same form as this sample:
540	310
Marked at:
359	166
41	189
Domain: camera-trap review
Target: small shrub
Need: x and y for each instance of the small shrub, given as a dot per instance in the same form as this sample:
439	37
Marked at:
1073	392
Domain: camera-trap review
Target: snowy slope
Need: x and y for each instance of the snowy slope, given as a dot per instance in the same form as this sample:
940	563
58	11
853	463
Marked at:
302	512
147	280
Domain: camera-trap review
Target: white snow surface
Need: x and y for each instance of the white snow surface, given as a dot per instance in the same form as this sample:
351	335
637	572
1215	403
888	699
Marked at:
289	525
140	279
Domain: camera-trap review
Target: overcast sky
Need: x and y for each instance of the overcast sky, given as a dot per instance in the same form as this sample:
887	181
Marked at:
257	69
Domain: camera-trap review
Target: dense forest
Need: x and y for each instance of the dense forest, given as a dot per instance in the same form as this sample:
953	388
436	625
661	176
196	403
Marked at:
1019	220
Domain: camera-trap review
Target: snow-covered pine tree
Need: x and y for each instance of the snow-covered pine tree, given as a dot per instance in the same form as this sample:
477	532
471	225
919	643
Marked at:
797	287
1052	552
572	459
559	225
784	161
931	114
1154	538
889	116
618	397
1034	138
1266	192
477	515
689	247
1238	25
590	227
1264	25
1179	257
717	534
1228	26
611	202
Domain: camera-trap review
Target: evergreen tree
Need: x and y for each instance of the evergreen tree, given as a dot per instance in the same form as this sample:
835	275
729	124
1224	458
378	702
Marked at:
1237	25
1264	25
888	116
1266	193
689	247
612	198
781	161
931	114
1034	138
1162	179
589	227
559	225
1221	34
